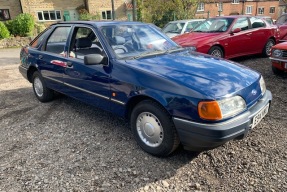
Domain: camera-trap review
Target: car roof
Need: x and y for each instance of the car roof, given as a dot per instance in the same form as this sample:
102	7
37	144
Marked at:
233	16
186	20
99	23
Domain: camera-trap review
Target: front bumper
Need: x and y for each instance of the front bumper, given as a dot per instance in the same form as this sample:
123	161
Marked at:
279	63
198	136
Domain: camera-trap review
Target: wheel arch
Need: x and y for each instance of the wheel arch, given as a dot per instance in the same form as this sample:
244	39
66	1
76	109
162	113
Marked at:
137	99
30	73
220	46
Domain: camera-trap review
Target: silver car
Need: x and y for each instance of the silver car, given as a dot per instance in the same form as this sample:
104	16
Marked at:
179	27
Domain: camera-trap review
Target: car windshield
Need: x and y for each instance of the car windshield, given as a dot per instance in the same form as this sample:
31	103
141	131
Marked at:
173	28
134	41
214	25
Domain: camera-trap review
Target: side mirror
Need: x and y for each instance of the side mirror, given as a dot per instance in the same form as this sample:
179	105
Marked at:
236	30
93	59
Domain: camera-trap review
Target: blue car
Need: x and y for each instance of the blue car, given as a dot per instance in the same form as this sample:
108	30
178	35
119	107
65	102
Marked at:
169	94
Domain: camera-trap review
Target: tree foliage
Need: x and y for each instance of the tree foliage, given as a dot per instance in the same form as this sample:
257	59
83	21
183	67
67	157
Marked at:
162	11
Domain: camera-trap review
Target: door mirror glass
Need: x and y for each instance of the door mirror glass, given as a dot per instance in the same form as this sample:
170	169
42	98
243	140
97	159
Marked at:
93	59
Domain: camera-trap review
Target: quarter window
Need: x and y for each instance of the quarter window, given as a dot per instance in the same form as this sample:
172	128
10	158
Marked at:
272	10
4	14
235	1
248	10
256	23
49	15
260	10
200	6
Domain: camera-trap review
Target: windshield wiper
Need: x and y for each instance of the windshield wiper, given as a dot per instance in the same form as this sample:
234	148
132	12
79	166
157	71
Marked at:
149	53
174	49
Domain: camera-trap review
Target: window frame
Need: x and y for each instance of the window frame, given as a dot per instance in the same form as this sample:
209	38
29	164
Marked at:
200	7
259	12
55	12
106	15
2	18
250	7
235	2
270	10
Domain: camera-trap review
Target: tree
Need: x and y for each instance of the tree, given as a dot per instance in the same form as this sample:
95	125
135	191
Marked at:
162	11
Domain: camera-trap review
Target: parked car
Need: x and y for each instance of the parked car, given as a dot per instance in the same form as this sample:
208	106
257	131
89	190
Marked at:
281	22
266	18
179	27
279	58
231	36
170	95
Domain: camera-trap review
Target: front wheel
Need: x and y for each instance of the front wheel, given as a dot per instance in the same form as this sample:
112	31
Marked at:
267	48
216	51
153	128
42	92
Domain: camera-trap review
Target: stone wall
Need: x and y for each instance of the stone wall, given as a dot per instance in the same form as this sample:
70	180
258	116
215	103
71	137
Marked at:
15	42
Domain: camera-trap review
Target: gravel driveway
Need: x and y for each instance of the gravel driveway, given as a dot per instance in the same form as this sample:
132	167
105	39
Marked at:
66	145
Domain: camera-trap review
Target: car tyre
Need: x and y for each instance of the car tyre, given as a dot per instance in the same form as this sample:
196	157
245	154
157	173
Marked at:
42	92
153	128
277	71
216	51
267	48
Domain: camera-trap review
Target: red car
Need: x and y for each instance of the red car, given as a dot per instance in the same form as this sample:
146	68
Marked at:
279	58
231	36
282	26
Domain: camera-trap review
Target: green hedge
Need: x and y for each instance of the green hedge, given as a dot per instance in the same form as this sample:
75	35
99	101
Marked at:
4	33
22	25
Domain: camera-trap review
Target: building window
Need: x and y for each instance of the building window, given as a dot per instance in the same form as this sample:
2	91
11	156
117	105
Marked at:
220	6
235	1
4	14
272	10
106	15
200	6
248	10
260	10
49	15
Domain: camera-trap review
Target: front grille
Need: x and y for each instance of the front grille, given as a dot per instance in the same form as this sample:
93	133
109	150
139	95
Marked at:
284	54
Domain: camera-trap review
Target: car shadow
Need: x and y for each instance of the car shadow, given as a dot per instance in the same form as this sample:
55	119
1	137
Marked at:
67	138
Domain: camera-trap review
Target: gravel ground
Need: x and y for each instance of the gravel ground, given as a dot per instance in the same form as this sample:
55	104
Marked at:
66	145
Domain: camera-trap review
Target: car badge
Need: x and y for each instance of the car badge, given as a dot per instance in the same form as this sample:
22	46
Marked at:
253	92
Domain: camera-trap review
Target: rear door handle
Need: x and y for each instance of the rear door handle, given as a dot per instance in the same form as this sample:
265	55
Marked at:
69	64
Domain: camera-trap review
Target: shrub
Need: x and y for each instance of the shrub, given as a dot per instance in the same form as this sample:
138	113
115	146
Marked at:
4	33
22	25
39	27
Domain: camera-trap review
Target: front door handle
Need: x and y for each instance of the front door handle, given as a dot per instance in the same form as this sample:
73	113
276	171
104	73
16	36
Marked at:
40	57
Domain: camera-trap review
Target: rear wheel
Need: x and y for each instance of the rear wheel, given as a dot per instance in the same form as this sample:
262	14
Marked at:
267	48
153	128
42	92
216	51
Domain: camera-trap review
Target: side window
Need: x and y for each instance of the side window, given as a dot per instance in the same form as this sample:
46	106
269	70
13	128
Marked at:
57	41
85	42
256	23
282	19
37	41
241	23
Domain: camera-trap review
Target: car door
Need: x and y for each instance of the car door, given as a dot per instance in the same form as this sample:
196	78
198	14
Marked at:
88	83
51	58
259	34
239	41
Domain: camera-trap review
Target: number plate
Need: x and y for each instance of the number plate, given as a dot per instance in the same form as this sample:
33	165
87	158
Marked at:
259	116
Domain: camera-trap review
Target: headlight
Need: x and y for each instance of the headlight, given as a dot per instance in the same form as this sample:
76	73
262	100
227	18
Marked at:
277	53
216	110
262	85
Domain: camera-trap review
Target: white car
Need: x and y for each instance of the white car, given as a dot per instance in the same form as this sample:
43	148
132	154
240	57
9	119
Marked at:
179	27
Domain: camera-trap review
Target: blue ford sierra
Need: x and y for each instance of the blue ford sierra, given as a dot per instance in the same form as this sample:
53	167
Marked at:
170	95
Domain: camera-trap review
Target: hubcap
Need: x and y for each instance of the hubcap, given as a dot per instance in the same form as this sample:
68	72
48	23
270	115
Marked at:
38	86
216	53
149	129
268	47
